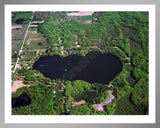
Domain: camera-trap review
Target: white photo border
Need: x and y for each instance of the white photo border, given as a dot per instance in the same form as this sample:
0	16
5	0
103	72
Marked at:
72	118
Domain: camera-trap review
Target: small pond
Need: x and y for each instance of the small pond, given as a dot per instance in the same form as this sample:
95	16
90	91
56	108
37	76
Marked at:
22	100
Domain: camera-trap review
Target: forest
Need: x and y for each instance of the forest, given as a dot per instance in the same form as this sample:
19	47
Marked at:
123	34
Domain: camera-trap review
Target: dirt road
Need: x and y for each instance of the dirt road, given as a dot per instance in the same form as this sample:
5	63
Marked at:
101	106
20	51
16	26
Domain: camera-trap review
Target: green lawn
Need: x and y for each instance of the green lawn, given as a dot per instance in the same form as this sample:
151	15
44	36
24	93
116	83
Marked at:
23	15
86	18
32	29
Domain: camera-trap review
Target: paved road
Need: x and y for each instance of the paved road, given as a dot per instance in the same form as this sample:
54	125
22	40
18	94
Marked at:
20	51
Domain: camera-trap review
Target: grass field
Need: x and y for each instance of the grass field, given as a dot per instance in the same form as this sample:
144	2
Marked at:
35	41
18	34
23	15
86	18
16	44
37	44
32	29
17	38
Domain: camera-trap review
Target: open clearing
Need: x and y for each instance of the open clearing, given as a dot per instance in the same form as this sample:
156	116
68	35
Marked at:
74	104
16	26
17	85
81	13
35	41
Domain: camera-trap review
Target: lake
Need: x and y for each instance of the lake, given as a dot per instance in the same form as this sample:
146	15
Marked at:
93	68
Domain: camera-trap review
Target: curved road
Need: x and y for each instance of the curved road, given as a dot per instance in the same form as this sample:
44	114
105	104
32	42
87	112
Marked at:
110	99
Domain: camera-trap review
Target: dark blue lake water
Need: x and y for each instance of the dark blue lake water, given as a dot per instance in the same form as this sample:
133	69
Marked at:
93	68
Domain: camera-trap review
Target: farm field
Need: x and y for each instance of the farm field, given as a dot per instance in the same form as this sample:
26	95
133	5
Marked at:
17	39
35	41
